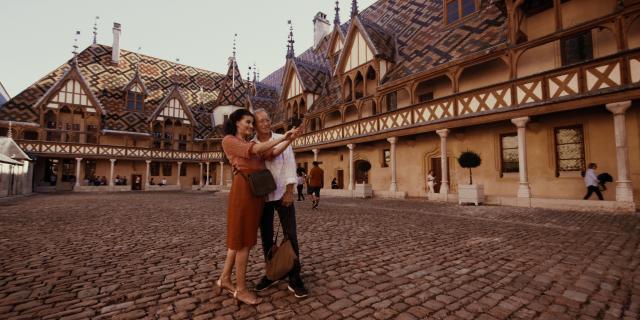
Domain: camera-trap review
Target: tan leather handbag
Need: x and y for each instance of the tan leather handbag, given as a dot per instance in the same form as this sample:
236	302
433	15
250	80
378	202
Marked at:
280	258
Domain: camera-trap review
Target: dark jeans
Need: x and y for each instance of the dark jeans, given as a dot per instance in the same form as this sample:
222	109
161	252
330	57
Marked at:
287	216
300	194
591	190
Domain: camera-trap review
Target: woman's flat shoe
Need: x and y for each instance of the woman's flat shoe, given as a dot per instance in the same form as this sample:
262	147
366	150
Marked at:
250	300
220	287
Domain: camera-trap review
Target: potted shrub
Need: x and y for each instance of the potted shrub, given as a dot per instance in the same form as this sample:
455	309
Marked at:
363	190
473	193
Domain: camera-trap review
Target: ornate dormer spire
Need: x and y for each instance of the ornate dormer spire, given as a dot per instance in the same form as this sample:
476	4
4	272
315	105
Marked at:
175	73
233	62
290	52
95	30
354	8
75	48
336	19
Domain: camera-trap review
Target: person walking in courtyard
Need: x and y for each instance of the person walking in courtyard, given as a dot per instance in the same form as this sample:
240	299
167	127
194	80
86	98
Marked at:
316	182
591	182
431	182
300	179
283	169
244	208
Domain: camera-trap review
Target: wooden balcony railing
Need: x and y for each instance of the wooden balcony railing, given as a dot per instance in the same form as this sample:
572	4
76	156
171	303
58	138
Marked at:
604	75
115	152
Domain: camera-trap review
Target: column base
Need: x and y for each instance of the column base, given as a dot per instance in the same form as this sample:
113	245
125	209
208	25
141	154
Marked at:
444	188
624	191
524	191
393	187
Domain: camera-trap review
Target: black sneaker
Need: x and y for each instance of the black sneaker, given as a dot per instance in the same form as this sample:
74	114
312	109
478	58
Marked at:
264	284
297	287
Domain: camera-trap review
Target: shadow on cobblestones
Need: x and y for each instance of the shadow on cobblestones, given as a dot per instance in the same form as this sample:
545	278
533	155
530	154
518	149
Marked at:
139	255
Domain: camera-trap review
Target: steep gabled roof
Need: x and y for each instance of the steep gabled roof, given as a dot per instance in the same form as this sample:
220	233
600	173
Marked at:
106	82
234	91
4	95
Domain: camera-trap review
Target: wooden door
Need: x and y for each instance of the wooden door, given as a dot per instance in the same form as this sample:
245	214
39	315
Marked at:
436	166
340	179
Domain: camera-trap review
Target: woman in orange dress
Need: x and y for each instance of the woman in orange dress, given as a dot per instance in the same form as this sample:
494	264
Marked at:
244	209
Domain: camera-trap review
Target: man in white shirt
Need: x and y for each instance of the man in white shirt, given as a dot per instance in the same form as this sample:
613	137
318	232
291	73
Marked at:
283	169
591	182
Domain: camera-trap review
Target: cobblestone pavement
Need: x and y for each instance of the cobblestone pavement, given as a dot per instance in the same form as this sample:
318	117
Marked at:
141	255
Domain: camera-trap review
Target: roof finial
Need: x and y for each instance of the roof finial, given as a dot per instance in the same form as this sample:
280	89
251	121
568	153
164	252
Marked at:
75	47
336	20
233	63
175	72
248	73
290	52
354	8
138	60
95	30
255	72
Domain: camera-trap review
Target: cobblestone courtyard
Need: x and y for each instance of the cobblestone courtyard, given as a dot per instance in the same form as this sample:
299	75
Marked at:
141	255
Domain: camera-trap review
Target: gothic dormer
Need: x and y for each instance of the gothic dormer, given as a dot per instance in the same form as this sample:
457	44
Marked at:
135	92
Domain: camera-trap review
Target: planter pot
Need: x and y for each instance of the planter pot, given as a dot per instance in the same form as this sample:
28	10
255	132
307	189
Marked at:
363	191
470	193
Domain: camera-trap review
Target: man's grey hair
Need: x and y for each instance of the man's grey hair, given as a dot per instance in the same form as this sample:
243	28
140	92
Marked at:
262	110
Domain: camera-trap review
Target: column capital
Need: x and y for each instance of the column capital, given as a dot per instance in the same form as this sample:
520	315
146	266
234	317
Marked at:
315	150
179	162
78	159
392	140
200	164
520	122
351	146
221	163
112	160
147	161
443	133
618	107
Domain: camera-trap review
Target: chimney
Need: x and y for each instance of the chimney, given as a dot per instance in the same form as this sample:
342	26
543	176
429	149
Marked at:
321	27
115	49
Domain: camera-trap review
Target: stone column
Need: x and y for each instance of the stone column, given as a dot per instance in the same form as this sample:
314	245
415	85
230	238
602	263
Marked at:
222	173
200	177
624	190
146	180
179	165
524	191
394	185
113	162
315	154
351	171
207	176
444	184
78	163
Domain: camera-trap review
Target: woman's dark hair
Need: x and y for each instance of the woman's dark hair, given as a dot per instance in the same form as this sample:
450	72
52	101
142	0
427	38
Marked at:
229	127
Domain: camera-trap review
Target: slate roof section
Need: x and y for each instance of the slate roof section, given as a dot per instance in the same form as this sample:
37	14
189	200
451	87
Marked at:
413	35
199	88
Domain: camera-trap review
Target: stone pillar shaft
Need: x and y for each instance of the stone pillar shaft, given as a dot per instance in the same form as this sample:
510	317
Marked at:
200	178
221	173
148	177
179	167
624	189
394	185
444	184
78	163
207	177
524	190
315	154
113	162
351	171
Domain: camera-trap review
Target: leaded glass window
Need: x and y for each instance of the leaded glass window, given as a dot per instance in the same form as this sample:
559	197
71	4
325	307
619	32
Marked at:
569	148
509	152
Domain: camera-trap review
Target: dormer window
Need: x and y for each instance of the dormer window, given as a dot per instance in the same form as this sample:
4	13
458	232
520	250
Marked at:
135	98
458	9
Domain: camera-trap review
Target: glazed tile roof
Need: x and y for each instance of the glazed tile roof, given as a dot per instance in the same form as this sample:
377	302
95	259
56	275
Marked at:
200	89
413	35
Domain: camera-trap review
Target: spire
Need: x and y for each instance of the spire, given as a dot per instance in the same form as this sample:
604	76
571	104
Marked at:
233	62
95	30
354	8
138	60
75	48
290	52
336	20
175	72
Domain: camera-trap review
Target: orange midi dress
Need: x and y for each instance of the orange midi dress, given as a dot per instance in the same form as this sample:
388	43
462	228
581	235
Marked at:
245	209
